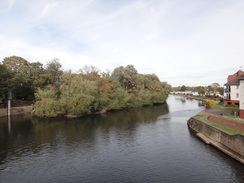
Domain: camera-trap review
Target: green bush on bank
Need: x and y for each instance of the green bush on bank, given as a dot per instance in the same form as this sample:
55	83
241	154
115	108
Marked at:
90	92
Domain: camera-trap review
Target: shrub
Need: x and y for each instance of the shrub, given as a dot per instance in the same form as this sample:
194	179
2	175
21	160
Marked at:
210	102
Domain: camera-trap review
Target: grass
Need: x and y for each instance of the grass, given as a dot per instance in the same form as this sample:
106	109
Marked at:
220	106
217	106
232	118
222	127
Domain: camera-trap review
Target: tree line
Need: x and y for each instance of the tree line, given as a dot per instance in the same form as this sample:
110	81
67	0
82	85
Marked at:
56	92
23	78
202	90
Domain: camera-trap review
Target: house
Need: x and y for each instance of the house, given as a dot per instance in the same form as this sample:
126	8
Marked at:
241	106
232	88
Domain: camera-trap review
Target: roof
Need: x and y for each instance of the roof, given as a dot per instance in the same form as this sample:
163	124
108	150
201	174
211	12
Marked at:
235	81
233	76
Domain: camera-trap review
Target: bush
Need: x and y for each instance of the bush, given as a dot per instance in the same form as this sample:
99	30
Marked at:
210	102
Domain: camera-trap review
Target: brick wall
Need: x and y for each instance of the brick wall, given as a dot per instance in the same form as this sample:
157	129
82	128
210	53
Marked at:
226	122
226	102
241	113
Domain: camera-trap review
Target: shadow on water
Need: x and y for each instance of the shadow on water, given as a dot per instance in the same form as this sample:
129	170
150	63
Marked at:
219	154
29	134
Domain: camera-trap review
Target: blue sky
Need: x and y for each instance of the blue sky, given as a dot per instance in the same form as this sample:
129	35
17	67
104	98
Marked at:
190	42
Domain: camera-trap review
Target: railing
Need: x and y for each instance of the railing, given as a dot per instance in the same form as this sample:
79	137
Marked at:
227	90
226	98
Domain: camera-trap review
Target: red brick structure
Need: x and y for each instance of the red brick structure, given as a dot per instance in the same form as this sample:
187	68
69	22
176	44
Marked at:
226	122
231	102
233	76
241	113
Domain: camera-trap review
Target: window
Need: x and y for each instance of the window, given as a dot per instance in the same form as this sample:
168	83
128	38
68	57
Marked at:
237	87
237	95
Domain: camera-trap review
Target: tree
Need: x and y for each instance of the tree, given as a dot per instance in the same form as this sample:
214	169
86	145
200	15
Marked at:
221	90
90	73
16	64
77	94
215	85
124	75
26	77
88	92
183	88
20	81
38	75
201	91
47	104
54	71
5	77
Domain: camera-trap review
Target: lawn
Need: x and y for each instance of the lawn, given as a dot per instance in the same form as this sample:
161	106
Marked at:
222	127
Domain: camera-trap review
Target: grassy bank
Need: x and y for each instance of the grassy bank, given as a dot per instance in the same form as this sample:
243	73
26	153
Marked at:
222	127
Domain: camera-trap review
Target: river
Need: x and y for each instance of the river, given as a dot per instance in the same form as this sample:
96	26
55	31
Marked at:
148	144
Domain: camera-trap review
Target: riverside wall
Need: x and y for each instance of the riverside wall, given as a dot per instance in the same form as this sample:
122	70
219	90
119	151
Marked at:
233	145
16	110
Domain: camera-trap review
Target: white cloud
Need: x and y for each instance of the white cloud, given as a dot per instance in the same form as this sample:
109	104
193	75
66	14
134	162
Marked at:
190	42
48	8
11	3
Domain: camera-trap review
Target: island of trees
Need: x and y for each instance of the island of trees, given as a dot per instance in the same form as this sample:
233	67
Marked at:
55	92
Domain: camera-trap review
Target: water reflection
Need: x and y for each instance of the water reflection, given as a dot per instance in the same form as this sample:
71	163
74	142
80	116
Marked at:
24	133
151	144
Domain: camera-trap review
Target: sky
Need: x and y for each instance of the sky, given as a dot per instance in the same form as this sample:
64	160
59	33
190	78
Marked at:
190	42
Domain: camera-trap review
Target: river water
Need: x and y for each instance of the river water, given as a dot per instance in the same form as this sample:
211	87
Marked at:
149	144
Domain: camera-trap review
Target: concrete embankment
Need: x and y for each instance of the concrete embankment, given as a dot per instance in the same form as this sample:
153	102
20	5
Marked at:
16	110
233	145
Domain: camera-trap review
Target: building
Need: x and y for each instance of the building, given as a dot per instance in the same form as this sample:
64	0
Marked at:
232	88
241	106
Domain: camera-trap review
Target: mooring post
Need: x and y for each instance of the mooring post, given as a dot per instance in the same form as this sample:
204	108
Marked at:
9	102
9	124
9	107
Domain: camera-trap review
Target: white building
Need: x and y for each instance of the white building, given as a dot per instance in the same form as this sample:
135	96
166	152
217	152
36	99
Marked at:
232	89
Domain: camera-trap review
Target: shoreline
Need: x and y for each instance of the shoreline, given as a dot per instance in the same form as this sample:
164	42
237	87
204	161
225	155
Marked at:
230	144
16	110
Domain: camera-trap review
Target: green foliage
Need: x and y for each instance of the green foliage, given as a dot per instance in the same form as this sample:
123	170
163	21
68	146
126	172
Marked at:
54	71
210	102
47	103
124	75
183	88
222	127
221	90
201	91
90	92
25	77
5	77
77	94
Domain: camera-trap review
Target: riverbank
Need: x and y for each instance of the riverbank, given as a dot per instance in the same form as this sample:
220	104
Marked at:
231	144
16	110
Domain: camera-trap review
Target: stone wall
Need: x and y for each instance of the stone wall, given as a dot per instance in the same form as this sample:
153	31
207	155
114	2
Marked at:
227	141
